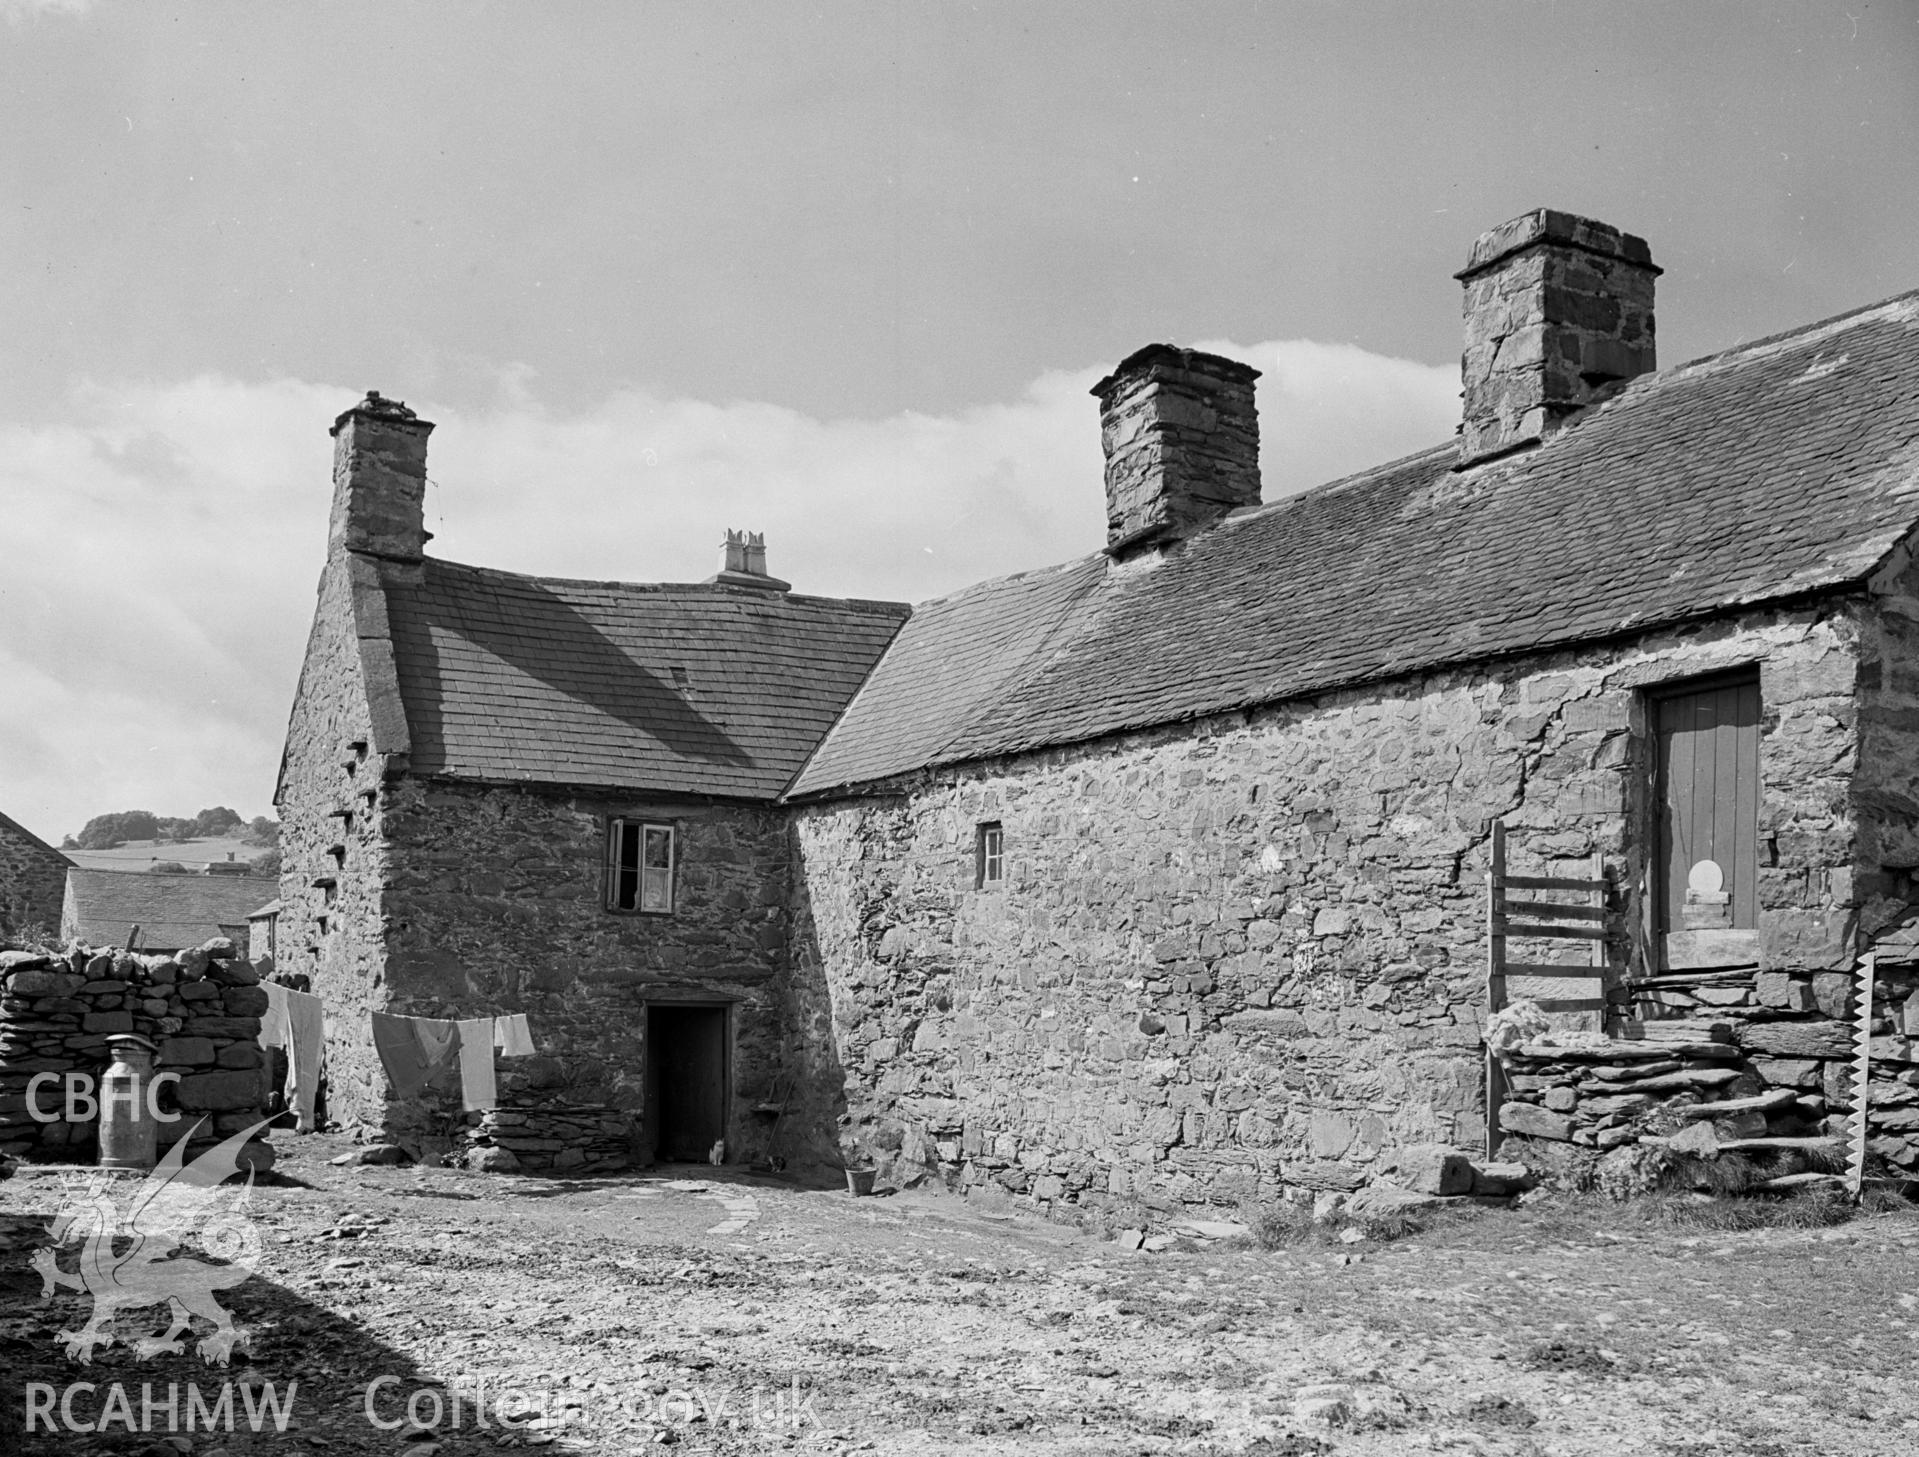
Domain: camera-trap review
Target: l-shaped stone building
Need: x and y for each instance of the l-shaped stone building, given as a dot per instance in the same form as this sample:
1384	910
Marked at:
1160	873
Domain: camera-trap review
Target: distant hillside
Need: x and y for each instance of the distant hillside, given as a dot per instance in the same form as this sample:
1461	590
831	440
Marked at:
144	854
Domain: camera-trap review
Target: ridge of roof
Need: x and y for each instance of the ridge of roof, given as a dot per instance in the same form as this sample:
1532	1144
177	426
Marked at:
1803	333
718	589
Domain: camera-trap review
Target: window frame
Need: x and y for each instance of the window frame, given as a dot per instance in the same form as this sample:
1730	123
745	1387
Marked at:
989	855
617	872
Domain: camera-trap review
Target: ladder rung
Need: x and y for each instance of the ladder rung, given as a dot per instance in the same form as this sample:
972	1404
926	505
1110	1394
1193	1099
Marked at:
1573	1004
1553	968
1547	908
1570	933
1546	882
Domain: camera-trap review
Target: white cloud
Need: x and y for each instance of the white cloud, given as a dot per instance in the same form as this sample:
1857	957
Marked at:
18	11
167	539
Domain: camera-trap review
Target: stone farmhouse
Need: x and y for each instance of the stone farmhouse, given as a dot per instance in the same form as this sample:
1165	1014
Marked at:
1159	874
33	878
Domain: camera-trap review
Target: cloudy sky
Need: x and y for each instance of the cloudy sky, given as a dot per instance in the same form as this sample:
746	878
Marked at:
842	273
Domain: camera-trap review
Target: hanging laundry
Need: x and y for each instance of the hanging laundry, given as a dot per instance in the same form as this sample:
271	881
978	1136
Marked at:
511	1036
476	1064
306	1047
417	1052
295	1021
273	1022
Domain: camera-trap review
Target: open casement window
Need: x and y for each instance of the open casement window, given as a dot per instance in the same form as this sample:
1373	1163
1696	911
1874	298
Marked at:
641	856
989	856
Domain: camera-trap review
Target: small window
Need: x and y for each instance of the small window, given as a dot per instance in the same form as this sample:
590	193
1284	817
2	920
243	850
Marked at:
990	855
640	865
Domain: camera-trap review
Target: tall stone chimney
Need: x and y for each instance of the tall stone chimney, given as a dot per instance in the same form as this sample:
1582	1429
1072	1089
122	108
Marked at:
1558	308
379	481
1181	437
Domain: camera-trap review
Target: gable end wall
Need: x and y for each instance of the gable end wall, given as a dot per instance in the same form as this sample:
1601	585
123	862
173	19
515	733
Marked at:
33	883
345	954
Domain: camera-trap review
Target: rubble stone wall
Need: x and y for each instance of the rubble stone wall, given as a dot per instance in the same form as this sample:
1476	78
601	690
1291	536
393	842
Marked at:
57	1011
1246	956
496	904
33	882
1886	793
332	807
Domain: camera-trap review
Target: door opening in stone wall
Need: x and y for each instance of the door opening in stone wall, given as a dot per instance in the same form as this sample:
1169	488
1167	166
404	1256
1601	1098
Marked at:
1706	795
686	1080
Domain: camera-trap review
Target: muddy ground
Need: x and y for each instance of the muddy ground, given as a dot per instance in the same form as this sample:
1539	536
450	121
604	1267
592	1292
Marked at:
703	1311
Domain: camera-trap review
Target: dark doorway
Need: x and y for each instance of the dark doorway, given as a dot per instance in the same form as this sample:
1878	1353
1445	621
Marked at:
1707	800
685	1081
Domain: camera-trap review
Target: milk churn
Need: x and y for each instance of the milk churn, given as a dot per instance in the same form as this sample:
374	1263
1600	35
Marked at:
127	1129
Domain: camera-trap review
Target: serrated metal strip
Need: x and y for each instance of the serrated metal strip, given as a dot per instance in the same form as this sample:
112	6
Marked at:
1861	1071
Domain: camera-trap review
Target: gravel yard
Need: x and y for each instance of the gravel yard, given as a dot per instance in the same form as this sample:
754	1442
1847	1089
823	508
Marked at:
698	1310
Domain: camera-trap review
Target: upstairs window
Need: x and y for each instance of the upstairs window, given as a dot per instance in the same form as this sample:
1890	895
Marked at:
641	858
989	856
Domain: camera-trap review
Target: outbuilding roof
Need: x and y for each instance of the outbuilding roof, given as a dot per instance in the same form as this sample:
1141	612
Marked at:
1775	470
701	689
169	911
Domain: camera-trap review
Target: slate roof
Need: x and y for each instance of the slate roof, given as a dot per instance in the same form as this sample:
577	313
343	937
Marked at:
667	688
172	911
1781	468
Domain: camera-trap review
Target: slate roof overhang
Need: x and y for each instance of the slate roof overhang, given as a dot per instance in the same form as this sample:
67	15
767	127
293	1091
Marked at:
1780	470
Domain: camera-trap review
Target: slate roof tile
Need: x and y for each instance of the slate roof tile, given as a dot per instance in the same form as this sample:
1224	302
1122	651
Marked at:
1784	467
510	678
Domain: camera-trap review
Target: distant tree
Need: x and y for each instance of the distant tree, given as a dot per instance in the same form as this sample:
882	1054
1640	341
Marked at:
220	820
167	867
103	832
263	831
267	864
173	829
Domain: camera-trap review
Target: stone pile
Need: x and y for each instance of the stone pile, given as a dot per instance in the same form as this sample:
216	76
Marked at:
535	1128
1731	1060
1602	1093
201	1008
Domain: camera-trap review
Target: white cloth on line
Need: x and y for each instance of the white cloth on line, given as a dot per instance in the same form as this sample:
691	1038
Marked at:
511	1036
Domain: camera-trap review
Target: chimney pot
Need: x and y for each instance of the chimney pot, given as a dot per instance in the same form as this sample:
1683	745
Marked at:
1559	309
379	481
1181	437
743	563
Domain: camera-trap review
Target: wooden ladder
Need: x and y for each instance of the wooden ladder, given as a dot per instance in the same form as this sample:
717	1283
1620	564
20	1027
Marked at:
1523	917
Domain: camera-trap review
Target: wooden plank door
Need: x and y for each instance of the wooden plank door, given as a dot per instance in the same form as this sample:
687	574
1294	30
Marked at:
1707	795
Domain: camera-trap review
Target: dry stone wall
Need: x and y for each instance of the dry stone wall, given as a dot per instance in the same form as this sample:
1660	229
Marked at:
201	1009
1245	958
537	1129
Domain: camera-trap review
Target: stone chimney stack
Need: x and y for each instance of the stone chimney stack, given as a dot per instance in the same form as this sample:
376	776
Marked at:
743	563
1181	438
1558	309
379	481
